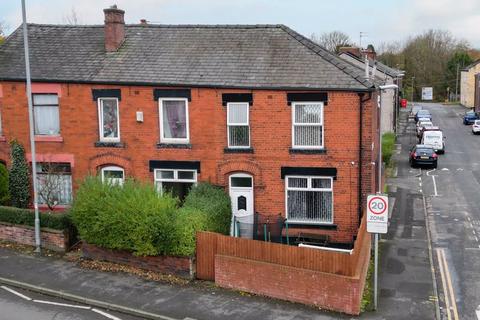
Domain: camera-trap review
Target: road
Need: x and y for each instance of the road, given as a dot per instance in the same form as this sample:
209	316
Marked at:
453	213
14	305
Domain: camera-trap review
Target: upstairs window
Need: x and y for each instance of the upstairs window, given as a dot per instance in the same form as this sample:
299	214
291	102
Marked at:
46	114
176	182
174	120
113	175
109	122
54	183
309	199
307	125
238	128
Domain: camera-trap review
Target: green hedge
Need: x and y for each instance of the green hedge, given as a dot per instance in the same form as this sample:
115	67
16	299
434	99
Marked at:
58	221
388	144
135	217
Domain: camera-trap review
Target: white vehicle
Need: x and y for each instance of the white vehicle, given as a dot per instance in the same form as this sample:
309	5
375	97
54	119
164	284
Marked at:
476	127
423	124
434	139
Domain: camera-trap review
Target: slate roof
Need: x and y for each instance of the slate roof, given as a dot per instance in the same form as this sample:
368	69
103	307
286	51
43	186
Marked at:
392	72
471	65
233	56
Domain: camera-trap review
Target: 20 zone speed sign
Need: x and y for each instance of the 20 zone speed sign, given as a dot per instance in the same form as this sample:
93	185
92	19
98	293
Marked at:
377	213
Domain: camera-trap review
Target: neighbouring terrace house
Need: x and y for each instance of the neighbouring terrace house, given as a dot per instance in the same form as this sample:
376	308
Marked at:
282	124
470	86
381	74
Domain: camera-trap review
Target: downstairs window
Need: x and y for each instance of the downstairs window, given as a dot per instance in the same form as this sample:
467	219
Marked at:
174	181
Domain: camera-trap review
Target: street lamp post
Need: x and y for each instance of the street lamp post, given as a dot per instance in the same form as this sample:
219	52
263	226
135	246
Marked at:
32	136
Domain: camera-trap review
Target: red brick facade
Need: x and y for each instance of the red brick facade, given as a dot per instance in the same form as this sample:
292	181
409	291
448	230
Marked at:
270	130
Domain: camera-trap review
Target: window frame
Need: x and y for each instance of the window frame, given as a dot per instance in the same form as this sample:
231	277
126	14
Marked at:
45	105
238	125
187	126
112	168
322	124
70	184
309	188
100	119
157	178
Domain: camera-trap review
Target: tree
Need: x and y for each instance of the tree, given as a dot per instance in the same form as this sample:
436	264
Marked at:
2	32
72	17
51	184
333	40
4	192
18	180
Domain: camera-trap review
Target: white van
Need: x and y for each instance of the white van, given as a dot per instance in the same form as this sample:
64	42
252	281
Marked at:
435	140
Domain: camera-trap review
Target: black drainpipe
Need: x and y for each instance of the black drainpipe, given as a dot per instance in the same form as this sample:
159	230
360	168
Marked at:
360	152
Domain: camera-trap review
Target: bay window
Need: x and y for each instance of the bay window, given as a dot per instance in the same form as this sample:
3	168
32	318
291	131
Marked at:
309	199
238	129
174	120
46	114
109	122
307	125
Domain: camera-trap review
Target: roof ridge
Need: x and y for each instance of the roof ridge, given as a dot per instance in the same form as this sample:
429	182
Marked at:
158	25
327	56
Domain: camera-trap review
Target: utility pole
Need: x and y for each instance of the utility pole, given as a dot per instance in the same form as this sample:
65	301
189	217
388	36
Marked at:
32	134
456	83
362	35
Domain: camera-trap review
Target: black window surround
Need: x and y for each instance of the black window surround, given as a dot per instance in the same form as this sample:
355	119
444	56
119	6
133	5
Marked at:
237	97
309	171
106	93
307	151
307	97
165	164
172	93
238	150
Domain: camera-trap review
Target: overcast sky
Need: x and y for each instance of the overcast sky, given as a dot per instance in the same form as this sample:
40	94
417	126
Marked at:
382	20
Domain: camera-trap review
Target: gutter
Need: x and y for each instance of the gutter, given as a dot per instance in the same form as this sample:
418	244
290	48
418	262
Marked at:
360	152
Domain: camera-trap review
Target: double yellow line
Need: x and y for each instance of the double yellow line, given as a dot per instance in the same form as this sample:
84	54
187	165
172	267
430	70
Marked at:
449	293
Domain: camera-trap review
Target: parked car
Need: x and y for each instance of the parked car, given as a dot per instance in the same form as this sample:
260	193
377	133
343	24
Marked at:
425	129
476	127
423	114
422	155
421	125
414	111
470	117
434	139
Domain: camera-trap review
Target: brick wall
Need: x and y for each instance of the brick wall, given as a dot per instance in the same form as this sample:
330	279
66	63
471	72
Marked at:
51	239
180	266
324	290
270	121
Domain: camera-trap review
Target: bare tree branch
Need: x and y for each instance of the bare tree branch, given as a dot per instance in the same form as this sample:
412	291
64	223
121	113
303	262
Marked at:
333	40
72	18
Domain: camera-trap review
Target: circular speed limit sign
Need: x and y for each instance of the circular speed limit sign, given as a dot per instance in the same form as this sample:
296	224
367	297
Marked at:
377	205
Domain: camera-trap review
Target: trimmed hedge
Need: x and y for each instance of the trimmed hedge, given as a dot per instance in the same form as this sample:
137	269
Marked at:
4	191
136	218
57	221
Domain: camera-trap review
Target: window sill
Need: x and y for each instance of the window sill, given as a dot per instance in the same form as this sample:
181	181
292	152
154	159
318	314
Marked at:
3	139
305	225
174	146
238	150
307	151
39	138
104	144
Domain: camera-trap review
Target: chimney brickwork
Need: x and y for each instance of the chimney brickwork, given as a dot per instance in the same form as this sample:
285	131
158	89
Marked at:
114	28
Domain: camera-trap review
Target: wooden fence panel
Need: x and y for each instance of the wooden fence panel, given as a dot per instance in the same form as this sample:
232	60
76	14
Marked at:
205	259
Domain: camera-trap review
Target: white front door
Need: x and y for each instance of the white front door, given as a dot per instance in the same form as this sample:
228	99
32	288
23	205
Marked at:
241	195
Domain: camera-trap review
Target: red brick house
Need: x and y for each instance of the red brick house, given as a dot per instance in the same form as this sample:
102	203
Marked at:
284	125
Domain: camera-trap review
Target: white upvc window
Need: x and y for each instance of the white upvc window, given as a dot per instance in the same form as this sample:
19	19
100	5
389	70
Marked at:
109	119
238	128
309	199
174	126
307	125
175	181
46	114
113	175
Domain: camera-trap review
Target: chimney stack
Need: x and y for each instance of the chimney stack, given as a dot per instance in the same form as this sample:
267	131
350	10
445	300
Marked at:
143	21
370	52
352	50
114	28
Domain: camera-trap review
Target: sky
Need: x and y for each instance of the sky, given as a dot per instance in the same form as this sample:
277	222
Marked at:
381	20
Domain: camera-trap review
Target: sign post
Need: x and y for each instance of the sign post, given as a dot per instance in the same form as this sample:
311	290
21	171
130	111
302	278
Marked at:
427	93
377	222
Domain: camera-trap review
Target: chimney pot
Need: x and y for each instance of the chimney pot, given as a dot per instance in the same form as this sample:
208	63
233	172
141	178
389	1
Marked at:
114	28
143	21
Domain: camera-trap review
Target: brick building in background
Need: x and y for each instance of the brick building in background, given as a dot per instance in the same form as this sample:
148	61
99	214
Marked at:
282	124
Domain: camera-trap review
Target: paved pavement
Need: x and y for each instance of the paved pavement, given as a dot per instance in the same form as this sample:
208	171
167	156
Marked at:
454	215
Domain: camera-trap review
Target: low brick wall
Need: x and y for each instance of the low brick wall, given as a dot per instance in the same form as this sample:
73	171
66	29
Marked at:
55	240
179	266
324	290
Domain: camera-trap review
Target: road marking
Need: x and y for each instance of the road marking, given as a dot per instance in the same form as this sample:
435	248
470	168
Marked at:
434	182
16	293
450	292
442	275
477	312
105	314
445	169
63	304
